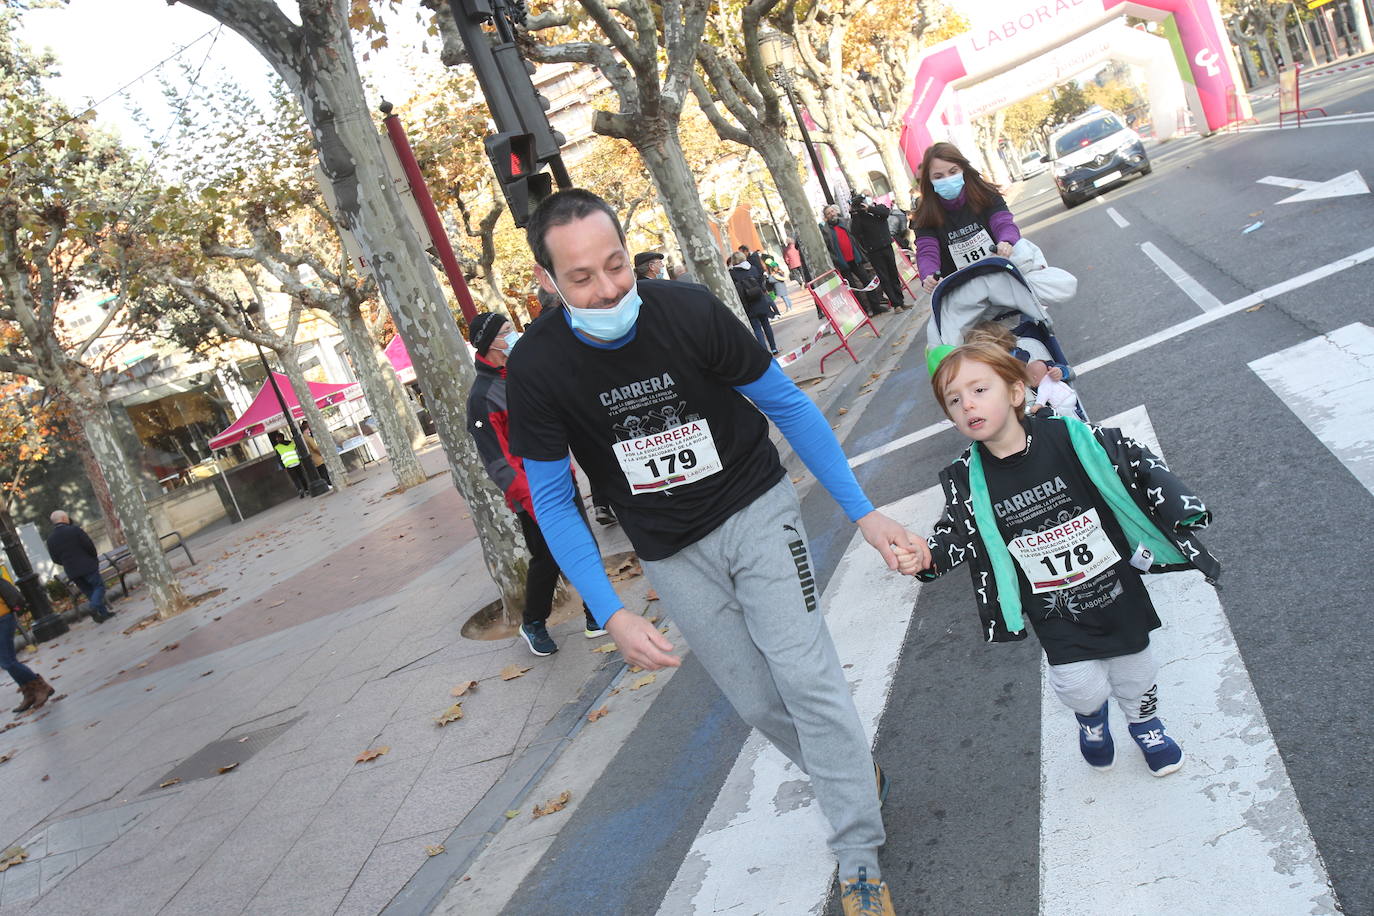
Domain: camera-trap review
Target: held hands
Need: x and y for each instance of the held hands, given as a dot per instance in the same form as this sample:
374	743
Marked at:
902	550
1004	249
640	643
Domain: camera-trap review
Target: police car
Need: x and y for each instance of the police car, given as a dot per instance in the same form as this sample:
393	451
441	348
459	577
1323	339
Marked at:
1094	151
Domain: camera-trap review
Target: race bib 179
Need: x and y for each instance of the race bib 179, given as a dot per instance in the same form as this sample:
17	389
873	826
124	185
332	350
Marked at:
676	456
1065	555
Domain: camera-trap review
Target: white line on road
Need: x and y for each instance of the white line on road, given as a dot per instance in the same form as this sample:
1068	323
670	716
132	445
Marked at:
1224	834
1296	183
1117	218
1144	343
1291	124
762	847
1182	279
1329	383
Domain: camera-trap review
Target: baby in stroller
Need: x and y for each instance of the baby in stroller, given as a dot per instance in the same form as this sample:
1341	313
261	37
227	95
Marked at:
1046	379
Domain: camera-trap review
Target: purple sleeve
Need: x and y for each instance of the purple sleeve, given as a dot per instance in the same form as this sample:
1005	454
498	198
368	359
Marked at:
1003	227
927	255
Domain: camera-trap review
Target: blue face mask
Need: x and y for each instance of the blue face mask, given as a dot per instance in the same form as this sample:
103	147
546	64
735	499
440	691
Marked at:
948	188
510	337
606	324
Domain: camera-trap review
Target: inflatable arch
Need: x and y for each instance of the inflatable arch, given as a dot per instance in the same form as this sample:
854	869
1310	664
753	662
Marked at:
1046	37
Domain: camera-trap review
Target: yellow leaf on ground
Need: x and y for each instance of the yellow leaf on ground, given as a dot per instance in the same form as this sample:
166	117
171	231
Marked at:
463	688
452	714
597	713
169	782
635	669
645	681
372	753
553	804
1255	308
12	856
608	647
227	767
512	671
6	758
433	851
653	620
842	411
512	813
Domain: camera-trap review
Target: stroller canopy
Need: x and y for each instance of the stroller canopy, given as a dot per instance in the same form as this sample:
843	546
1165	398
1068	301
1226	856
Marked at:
988	290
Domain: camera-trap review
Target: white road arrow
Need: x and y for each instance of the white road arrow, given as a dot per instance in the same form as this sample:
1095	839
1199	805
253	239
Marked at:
1340	186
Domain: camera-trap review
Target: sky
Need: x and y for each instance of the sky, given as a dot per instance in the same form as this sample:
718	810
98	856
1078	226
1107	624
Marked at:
102	45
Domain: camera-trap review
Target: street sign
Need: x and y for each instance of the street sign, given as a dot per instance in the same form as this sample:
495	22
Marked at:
1313	4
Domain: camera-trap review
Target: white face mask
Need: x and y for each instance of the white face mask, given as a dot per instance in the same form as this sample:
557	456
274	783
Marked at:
604	324
511	338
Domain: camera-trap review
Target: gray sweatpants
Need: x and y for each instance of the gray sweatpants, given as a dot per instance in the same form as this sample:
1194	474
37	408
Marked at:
1085	686
745	600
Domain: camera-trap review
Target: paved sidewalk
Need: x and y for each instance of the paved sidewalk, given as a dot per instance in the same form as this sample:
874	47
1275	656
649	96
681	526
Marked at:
338	631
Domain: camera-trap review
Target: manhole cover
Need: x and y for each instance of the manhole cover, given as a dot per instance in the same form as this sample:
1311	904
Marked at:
222	756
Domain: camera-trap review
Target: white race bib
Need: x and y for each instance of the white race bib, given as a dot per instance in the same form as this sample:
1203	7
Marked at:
972	249
1065	555
661	461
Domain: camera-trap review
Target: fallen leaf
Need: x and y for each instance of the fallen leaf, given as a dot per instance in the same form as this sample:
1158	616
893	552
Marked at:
433	851
463	688
12	856
45	778
802	477
645	681
512	671
847	666
663	629
512	814
653	619
607	647
243	739
208	673
553	804
169	782
652	596
170	646
275	604
635	669
142	665
452	714
1255	308
597	713
6	758
372	753
227	767
842	411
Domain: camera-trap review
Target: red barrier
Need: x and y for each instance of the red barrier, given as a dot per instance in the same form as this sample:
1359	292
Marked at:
1290	90
835	299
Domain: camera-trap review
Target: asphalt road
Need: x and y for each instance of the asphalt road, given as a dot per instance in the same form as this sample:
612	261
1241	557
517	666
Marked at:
961	732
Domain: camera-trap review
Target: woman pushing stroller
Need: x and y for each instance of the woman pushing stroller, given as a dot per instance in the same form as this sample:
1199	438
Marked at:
961	219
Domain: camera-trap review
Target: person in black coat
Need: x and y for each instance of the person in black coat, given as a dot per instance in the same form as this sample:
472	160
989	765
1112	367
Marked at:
871	227
848	255
72	549
751	287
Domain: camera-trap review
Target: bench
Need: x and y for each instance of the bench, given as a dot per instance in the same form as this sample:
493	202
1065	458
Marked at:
117	563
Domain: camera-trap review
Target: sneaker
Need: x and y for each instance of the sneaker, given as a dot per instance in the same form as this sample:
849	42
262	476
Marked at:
537	637
592	629
603	515
1161	752
862	897
882	784
1095	739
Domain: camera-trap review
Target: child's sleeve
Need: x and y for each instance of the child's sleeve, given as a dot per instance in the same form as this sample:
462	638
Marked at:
949	542
1168	497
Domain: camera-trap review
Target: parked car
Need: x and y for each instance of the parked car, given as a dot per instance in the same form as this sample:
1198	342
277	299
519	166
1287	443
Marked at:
1033	164
1093	152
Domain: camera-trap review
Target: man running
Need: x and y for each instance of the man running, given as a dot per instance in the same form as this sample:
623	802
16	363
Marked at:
664	397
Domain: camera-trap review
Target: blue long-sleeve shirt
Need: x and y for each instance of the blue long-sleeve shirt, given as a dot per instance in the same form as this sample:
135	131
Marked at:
800	421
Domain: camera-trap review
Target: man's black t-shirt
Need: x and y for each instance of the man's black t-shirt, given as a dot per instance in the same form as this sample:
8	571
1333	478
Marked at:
656	423
1062	535
966	236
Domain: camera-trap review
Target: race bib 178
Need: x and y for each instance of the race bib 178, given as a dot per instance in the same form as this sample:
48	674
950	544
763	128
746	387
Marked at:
1065	555
676	456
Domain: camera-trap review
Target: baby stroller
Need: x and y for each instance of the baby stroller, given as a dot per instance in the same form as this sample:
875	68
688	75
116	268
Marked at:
993	289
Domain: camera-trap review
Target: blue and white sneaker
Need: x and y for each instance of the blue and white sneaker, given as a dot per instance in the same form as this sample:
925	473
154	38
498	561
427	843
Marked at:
1162	753
1095	739
537	637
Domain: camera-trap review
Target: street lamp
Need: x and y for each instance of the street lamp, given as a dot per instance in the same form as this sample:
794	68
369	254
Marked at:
776	50
870	80
317	485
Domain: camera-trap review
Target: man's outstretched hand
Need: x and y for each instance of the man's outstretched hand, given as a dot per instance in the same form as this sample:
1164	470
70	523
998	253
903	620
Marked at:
888	537
640	643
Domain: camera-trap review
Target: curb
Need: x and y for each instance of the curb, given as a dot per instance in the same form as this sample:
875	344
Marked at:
428	887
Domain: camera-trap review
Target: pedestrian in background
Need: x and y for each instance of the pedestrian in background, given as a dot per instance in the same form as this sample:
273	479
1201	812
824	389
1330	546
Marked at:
33	687
649	265
749	287
489	425
72	548
316	455
848	256
870	222
791	256
290	459
777	278
899	227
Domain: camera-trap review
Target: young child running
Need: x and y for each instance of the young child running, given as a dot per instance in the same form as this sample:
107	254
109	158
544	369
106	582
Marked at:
1057	520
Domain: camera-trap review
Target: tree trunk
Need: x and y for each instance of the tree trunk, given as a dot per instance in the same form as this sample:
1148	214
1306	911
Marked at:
126	495
1247	62
894	163
661	151
114	529
1279	20
396	422
317	62
319	427
783	167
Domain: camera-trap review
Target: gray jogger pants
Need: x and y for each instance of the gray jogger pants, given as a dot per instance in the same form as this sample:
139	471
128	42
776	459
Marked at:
745	600
1085	686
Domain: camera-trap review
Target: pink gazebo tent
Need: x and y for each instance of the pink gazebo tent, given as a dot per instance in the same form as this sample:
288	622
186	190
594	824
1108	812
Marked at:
399	356
264	414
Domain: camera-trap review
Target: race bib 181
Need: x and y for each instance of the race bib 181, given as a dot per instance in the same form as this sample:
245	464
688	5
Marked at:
661	461
972	249
1065	555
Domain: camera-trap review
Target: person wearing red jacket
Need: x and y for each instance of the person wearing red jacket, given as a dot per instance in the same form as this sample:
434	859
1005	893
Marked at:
489	424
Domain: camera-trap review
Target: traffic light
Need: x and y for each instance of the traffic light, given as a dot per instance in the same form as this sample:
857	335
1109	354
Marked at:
516	165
